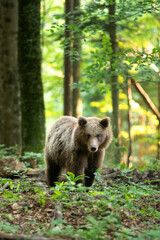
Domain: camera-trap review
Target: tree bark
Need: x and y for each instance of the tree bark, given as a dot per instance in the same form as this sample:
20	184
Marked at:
10	133
114	76
158	129
32	104
129	97
77	102
68	71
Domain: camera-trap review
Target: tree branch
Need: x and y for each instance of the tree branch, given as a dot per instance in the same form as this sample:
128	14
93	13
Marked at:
146	98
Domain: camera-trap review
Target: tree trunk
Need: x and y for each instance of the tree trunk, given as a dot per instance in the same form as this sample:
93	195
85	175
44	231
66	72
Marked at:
32	104
77	102
158	129
114	77
129	97
68	73
10	133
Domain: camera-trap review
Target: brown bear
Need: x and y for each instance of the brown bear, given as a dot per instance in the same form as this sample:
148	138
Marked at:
77	145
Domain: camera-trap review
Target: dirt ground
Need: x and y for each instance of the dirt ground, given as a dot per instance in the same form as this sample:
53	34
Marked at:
29	204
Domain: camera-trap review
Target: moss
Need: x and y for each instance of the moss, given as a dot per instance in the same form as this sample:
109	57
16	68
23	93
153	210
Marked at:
32	104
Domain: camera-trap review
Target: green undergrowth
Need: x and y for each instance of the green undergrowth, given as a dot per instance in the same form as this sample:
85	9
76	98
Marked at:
30	159
107	210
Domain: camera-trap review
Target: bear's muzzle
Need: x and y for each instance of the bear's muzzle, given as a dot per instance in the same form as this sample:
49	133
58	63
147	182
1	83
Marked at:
94	149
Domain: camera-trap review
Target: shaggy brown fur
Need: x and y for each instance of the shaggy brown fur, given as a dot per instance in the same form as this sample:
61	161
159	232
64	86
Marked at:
77	145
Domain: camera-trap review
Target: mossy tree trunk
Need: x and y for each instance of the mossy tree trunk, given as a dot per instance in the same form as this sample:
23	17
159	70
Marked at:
29	57
10	133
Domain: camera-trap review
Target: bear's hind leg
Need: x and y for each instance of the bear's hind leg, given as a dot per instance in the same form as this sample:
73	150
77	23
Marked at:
53	171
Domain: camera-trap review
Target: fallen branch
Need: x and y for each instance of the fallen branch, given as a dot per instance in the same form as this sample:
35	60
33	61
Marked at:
58	211
113	175
5	236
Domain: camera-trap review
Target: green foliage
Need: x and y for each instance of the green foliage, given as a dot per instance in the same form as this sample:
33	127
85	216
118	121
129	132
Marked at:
40	196
150	163
12	152
38	157
110	154
8	151
71	177
150	234
97	230
7	227
105	210
112	209
138	52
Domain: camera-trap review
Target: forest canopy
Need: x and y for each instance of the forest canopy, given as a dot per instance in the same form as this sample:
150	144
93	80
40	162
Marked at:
135	60
92	58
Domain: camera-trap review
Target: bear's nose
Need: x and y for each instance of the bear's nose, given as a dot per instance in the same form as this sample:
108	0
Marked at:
93	149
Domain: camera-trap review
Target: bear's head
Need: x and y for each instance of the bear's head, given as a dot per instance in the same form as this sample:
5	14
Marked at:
93	133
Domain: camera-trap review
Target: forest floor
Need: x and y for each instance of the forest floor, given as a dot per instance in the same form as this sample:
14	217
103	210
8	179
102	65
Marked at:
121	204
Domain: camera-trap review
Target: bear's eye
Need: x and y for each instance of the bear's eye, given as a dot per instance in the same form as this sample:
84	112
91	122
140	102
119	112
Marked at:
87	136
99	137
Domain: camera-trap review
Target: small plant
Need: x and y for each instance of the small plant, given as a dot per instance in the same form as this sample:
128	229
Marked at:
33	159
8	151
98	176
72	179
40	196
10	196
151	163
7	227
58	228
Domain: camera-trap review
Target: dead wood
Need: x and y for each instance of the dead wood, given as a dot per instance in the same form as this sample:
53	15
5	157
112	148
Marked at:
113	175
5	236
58	211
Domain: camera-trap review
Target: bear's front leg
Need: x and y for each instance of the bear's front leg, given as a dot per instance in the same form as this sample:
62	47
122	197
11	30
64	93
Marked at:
94	162
89	176
80	163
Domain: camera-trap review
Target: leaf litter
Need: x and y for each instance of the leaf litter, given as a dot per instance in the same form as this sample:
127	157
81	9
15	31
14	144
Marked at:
122	204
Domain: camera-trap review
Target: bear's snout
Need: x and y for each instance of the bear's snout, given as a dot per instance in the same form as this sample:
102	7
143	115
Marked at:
93	144
94	149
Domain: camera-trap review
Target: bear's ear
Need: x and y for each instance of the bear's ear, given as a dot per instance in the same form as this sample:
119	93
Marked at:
82	121
105	122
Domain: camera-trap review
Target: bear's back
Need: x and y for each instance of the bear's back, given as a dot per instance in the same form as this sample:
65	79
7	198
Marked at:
63	125
60	138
